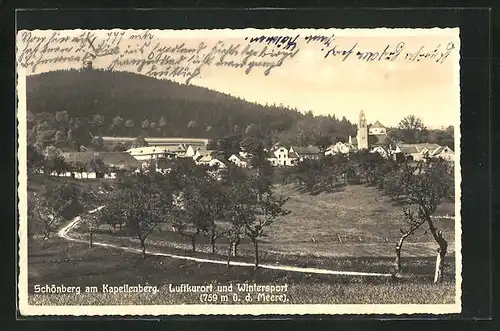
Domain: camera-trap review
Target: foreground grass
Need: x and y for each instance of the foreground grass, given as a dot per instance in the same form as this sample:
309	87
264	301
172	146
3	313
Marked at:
59	262
421	266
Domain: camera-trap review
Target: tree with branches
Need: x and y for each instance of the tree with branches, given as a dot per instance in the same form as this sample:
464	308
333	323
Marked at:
211	199
54	206
143	201
425	186
412	129
35	160
240	210
188	219
93	199
269	208
129	124
412	223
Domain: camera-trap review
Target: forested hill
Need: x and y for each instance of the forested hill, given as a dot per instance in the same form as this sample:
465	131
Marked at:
150	106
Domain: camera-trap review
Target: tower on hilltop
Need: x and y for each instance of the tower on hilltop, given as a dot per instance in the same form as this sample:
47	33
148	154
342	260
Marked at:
362	136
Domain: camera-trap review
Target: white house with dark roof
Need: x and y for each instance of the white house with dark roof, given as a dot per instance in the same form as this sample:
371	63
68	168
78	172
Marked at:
418	152
281	156
240	160
196	152
377	128
444	152
210	161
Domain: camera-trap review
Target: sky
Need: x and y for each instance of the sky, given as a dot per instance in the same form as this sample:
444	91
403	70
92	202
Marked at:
385	90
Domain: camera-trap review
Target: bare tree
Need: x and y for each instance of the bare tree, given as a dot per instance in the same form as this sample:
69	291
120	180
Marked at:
425	186
270	208
188	221
412	224
240	210
92	221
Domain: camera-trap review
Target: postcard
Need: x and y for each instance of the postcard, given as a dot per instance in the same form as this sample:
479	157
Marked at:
239	172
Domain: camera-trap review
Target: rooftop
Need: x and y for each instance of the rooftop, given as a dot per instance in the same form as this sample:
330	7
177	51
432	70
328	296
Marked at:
409	149
202	150
157	149
377	125
308	150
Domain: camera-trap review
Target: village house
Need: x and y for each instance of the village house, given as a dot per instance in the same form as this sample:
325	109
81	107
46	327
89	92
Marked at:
202	155
282	157
417	152
240	160
271	158
444	152
377	129
210	161
205	159
217	163
340	148
197	151
309	152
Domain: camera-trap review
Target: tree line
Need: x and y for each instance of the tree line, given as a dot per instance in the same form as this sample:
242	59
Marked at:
50	160
195	201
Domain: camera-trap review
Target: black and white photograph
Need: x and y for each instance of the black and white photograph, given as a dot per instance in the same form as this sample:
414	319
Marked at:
239	171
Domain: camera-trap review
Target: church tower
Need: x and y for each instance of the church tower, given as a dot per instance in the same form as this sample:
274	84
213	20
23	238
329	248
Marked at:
362	136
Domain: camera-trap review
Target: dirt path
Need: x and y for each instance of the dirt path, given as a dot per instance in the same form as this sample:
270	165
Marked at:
64	233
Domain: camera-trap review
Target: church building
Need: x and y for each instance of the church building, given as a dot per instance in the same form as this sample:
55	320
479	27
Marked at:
369	136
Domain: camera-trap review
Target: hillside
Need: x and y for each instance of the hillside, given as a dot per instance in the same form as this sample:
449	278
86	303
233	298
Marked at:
187	110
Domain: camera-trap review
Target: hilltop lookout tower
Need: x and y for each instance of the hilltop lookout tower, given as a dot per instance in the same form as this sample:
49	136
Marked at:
88	66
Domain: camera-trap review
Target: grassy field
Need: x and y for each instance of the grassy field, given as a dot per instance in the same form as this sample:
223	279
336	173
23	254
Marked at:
356	221
354	229
56	261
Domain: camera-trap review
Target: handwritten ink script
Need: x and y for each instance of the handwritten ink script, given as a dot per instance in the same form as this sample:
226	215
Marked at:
147	53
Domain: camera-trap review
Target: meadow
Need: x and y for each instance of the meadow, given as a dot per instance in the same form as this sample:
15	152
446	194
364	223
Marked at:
357	221
354	229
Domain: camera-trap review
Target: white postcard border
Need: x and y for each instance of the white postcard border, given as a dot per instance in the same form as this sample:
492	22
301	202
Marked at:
268	309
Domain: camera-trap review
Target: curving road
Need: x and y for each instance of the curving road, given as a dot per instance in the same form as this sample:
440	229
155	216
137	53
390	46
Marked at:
64	233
